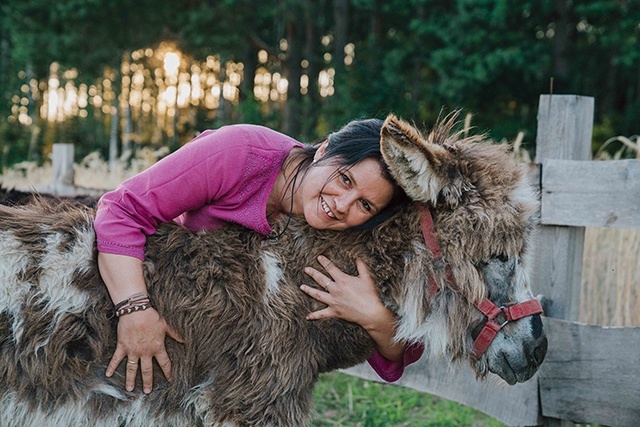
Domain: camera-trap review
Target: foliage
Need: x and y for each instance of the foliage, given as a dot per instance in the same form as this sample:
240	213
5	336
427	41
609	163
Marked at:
492	58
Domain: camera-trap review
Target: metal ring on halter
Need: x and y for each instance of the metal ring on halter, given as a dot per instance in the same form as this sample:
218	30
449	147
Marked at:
326	286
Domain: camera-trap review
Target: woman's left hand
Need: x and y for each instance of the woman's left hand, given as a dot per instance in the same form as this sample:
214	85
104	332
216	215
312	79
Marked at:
350	298
354	299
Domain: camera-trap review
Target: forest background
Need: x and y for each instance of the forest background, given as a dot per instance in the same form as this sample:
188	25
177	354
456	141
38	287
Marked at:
113	76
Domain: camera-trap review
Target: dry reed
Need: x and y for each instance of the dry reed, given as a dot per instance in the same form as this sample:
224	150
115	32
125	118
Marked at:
610	292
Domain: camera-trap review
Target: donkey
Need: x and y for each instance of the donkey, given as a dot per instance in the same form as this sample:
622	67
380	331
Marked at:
453	267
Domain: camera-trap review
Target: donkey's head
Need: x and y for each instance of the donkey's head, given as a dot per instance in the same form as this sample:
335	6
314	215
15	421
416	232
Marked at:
479	211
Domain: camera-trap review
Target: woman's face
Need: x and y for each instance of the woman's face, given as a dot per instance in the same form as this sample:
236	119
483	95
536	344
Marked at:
335	199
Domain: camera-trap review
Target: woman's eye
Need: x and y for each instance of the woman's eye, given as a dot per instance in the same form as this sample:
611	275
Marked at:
345	179
366	205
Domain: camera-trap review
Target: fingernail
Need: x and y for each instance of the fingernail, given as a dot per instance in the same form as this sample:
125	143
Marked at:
307	269
129	388
147	390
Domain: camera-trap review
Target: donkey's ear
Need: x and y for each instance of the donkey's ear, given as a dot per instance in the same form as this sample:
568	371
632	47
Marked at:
423	169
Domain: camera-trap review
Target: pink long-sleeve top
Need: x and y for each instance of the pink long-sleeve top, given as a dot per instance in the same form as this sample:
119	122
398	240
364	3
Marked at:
223	175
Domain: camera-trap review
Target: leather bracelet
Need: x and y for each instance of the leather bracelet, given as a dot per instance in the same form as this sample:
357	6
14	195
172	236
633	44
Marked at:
133	308
132	299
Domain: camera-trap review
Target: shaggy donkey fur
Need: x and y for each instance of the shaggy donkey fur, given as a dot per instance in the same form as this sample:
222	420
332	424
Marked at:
250	357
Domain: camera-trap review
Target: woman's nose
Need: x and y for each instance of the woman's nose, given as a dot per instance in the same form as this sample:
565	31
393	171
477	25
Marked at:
344	202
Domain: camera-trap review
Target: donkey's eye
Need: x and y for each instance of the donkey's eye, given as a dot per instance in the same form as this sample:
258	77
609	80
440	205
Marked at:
502	258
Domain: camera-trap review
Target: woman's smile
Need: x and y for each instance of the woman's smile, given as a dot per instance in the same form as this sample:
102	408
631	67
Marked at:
326	208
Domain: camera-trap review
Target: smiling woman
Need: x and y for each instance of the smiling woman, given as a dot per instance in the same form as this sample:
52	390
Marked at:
335	195
251	175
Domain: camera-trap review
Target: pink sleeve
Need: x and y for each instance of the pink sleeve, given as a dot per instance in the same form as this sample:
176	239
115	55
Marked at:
187	179
392	371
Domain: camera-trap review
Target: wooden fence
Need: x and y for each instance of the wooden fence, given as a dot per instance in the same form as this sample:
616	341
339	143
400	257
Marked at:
591	373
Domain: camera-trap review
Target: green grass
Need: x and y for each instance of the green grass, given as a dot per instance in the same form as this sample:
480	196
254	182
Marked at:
344	400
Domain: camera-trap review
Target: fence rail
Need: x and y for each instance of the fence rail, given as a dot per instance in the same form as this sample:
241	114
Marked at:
591	373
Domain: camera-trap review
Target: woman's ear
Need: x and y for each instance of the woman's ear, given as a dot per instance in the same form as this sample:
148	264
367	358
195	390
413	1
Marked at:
321	150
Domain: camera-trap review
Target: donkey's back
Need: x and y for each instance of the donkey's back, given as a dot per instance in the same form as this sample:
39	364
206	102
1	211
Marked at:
250	357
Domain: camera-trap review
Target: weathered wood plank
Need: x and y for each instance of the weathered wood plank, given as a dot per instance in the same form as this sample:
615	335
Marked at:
516	405
591	194
591	374
565	124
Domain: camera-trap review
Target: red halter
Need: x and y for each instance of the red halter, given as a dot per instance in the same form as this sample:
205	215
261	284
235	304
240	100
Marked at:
506	314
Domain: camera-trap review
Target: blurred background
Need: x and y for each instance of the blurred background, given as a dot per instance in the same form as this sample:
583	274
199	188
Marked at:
114	76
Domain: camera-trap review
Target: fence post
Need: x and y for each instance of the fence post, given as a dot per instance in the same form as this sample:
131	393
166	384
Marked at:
63	170
565	126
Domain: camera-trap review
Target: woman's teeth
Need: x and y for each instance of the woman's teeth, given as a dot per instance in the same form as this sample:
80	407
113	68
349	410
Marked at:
326	209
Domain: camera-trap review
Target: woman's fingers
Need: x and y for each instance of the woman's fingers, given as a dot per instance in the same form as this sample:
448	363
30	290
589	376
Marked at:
165	364
320	278
363	270
315	293
174	335
131	373
330	267
146	367
323	297
117	357
325	313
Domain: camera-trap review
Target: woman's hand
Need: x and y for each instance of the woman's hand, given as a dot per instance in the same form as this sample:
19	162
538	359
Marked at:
355	299
141	337
141	334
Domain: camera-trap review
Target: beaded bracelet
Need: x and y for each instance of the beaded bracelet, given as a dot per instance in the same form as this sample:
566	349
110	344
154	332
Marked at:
132	299
133	307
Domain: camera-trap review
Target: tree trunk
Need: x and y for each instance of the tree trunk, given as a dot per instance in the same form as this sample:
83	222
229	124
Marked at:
32	154
312	13
113	137
340	32
127	131
560	64
4	59
291	119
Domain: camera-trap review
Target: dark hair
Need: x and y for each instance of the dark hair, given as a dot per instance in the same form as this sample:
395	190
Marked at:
359	140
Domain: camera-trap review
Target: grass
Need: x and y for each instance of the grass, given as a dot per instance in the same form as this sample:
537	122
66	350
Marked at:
342	400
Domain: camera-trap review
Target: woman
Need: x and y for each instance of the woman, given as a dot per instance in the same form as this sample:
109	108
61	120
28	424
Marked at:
250	175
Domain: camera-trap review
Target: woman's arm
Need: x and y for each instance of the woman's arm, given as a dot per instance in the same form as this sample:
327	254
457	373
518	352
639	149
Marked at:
141	334
355	299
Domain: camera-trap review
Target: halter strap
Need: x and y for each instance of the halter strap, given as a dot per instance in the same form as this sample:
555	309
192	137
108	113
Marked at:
507	314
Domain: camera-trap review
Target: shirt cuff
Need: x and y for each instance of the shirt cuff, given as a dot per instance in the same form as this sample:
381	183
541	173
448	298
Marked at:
391	371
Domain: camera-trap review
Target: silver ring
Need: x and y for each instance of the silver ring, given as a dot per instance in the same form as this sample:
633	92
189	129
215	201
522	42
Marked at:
132	362
326	286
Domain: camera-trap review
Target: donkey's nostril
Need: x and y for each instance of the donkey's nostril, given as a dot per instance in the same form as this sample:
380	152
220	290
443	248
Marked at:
540	352
536	326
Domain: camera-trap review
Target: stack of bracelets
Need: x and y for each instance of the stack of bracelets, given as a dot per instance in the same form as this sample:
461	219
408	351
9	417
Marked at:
135	302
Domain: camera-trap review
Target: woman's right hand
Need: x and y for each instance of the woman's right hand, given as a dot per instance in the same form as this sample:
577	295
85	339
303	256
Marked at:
141	336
